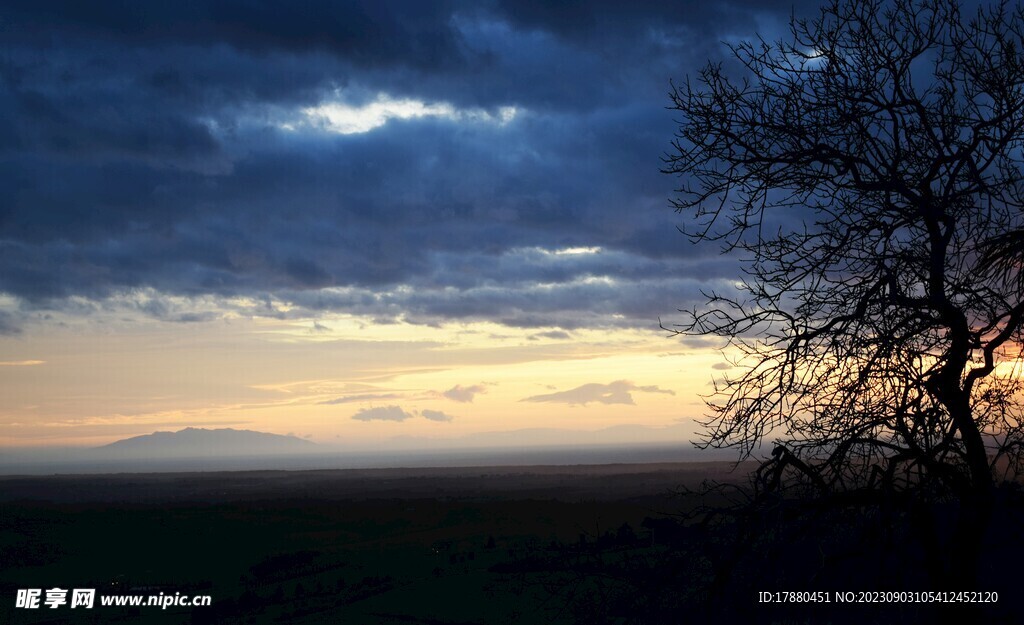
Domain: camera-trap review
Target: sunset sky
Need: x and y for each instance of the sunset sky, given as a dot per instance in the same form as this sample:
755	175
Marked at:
349	222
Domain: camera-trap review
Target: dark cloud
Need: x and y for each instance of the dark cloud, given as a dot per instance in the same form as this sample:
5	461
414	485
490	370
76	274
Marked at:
370	33
464	394
618	392
348	399
552	334
436	415
576	304
151	147
585	20
396	413
382	413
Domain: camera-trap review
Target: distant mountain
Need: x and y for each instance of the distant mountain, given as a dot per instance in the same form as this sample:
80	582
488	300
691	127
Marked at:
202	443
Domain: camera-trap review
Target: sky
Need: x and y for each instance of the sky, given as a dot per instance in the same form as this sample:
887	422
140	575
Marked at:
350	222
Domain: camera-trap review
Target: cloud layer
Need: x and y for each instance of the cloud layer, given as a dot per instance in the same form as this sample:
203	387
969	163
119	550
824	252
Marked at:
424	161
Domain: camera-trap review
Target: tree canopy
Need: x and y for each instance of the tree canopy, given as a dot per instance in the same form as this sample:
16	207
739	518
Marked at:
868	173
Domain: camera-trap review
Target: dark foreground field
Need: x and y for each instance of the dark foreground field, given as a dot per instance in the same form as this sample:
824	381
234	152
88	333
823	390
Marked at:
583	544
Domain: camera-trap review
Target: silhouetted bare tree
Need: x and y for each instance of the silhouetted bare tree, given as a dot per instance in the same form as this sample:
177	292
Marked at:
869	174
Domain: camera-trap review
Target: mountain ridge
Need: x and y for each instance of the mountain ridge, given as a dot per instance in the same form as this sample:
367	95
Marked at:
198	442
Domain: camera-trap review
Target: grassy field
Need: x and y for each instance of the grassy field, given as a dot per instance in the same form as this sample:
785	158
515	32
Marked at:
584	544
482	545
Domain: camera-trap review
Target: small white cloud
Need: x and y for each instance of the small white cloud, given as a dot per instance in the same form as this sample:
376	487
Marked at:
575	251
346	119
21	363
342	118
507	114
